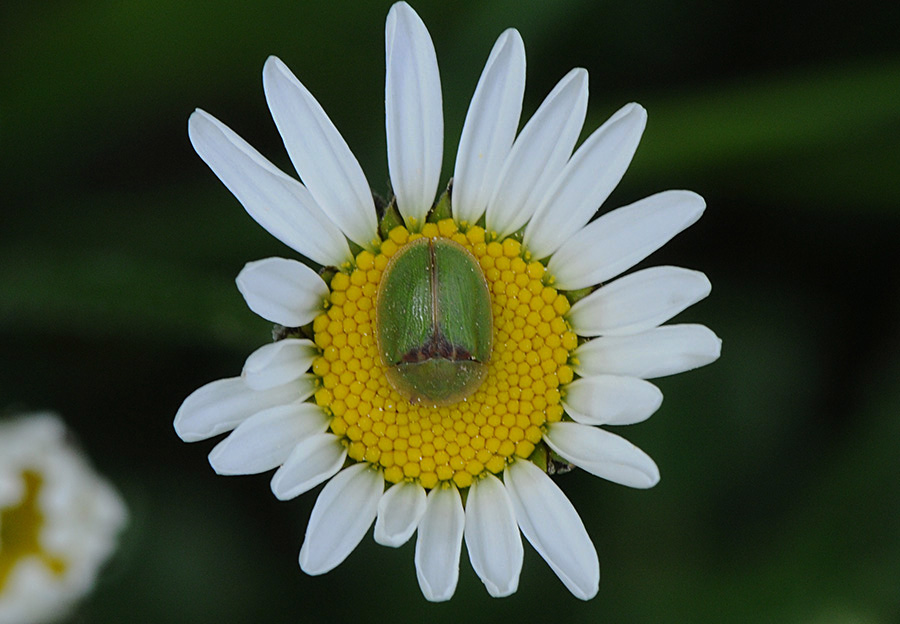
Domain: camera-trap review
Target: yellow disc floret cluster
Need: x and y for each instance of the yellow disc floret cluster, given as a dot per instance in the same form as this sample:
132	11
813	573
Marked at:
502	420
22	525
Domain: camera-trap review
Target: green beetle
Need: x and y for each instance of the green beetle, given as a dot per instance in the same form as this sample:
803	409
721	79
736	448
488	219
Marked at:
433	320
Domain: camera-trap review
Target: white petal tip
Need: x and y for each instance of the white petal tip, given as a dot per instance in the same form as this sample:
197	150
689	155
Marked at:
310	567
272	63
215	460
635	113
391	541
501	592
192	420
648	478
401	11
635	108
431	596
400	6
197	115
578	76
198	122
657	403
184	433
222	465
274	69
586	594
712	347
701	277
694	199
281	495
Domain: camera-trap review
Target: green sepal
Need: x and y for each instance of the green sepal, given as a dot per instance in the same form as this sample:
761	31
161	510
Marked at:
354	248
539	457
576	295
327	274
390	219
441	209
518	235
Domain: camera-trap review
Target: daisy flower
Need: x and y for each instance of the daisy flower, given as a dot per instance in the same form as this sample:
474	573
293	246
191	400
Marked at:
448	354
59	521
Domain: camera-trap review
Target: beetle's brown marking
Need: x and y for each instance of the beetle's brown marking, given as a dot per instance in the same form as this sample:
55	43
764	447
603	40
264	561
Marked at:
438	347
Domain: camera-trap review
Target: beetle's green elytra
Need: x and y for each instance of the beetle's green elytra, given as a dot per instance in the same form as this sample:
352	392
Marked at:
434	325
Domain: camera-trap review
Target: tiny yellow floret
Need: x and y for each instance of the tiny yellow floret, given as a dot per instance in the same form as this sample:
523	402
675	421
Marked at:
429	230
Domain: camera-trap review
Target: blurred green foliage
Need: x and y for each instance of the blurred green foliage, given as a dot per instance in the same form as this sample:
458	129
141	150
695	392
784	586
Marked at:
780	498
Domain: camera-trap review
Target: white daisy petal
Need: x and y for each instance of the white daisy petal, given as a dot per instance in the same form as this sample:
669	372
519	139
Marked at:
658	352
314	460
278	363
340	518
276	201
621	238
399	512
282	291
539	154
490	127
320	155
552	526
587	180
439	543
638	302
492	537
611	400
414	119
222	405
265	440
603	454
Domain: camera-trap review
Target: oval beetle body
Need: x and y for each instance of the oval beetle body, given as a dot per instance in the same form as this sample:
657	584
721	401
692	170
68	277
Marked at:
434	323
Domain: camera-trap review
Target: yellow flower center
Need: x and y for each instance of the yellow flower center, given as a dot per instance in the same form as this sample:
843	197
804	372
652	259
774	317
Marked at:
20	530
503	419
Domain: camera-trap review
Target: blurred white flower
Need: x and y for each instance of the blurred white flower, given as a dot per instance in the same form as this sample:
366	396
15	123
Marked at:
59	520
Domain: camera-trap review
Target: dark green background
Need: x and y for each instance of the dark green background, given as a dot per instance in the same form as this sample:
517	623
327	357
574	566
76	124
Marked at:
780	496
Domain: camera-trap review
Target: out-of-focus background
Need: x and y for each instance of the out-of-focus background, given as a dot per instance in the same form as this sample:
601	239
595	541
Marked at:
780	491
